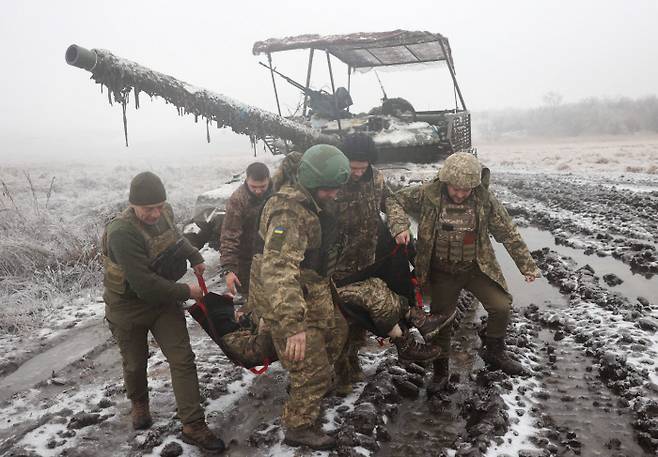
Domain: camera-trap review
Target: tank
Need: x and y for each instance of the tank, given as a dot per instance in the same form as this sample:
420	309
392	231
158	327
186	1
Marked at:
400	133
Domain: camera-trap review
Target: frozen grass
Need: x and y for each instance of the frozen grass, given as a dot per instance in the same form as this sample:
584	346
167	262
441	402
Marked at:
613	154
52	217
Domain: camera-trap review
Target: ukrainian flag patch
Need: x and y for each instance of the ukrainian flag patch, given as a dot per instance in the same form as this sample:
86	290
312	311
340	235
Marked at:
277	239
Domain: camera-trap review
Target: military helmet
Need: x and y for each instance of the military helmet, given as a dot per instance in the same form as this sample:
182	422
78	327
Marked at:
323	165
461	170
359	146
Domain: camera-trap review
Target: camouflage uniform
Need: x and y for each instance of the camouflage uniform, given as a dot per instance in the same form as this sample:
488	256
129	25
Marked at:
290	290
138	301
357	209
454	251
239	236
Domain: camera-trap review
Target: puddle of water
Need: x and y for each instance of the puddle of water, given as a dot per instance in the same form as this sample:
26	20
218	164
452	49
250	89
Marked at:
41	367
634	285
539	292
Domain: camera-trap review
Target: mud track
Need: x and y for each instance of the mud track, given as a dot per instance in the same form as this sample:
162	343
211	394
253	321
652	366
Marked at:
586	330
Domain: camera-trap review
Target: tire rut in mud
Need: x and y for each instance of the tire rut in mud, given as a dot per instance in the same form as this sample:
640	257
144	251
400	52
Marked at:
618	337
602	219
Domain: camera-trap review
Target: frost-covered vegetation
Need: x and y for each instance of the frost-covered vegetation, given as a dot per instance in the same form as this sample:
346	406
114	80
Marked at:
51	220
592	116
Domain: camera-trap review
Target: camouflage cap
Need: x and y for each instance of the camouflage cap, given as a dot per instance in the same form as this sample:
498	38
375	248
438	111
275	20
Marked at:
323	165
461	170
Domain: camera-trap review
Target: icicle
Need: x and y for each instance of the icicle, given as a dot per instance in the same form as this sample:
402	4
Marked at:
125	122
109	96
136	98
207	130
196	118
101	88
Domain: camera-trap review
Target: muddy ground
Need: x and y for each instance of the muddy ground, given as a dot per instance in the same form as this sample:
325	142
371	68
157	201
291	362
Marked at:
586	331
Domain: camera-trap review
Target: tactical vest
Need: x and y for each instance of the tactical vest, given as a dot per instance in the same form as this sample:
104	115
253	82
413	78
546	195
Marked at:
456	236
322	260
114	278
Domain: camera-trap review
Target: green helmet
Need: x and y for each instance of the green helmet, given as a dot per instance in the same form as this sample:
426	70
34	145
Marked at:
461	170
323	165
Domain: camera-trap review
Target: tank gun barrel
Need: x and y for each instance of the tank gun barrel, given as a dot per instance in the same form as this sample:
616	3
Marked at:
122	76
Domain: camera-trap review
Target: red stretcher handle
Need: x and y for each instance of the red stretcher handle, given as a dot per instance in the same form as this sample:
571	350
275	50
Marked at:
204	288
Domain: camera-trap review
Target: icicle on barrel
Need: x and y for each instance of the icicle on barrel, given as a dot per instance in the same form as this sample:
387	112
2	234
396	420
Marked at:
122	76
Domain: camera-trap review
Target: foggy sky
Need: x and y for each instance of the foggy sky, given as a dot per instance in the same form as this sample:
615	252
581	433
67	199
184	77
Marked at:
507	54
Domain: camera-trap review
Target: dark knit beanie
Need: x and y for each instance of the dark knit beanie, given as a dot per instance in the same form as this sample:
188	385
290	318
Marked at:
360	147
146	189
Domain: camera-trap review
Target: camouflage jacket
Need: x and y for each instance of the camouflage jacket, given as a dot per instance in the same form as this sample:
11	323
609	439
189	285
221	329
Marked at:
239	237
357	209
293	296
424	202
129	248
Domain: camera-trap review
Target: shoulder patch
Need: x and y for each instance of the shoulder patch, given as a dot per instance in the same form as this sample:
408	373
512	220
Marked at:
277	238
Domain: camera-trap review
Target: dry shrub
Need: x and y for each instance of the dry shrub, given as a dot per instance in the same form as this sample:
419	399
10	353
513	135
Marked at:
602	160
563	166
652	169
634	169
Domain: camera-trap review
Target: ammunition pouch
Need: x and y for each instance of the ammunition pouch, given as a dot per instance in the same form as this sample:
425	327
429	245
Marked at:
170	264
114	278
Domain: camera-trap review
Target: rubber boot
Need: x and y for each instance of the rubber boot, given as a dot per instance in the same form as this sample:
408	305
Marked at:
198	434
497	357
429	325
141	414
440	378
312	437
411	350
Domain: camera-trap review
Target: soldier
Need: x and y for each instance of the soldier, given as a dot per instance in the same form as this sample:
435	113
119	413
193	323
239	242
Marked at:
358	207
143	238
457	212
291	290
239	237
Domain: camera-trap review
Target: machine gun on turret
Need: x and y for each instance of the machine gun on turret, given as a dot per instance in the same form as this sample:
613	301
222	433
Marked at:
321	102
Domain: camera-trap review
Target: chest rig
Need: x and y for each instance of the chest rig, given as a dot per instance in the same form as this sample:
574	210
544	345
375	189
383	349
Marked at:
114	277
323	259
456	236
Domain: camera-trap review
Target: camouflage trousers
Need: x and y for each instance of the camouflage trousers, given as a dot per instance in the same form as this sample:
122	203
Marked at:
384	308
445	289
130	327
311	378
381	303
248	348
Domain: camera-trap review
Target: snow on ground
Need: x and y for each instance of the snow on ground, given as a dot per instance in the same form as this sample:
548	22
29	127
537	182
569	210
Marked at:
88	192
523	427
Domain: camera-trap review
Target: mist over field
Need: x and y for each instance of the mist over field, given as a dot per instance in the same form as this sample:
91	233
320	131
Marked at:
564	111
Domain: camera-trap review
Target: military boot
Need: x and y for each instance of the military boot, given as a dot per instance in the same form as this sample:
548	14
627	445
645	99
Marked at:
440	378
141	415
411	350
198	434
311	436
429	325
497	357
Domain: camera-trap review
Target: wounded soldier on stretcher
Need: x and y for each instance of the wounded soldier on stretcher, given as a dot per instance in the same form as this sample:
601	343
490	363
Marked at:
246	340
